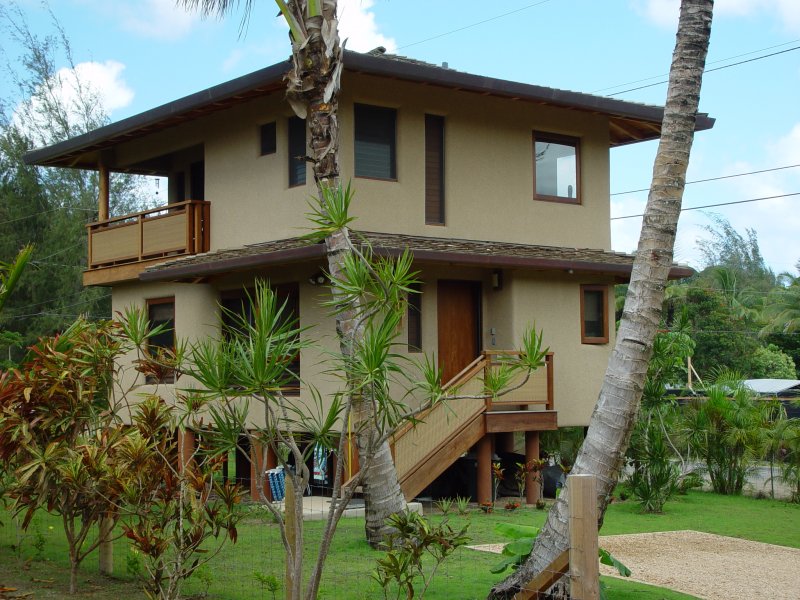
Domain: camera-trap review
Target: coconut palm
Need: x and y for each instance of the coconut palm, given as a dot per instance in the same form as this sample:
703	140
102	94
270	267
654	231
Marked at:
312	90
611	424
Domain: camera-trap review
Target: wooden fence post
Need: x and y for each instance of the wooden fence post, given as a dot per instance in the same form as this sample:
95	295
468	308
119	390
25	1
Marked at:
584	565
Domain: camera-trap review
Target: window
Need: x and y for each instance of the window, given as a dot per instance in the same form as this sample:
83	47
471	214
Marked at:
434	170
297	151
375	142
268	139
238	302
161	311
415	318
594	314
556	167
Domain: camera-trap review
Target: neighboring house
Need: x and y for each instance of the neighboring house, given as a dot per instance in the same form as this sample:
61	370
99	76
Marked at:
786	391
500	189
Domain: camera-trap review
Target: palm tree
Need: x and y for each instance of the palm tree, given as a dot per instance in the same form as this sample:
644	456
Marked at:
611	424
312	90
783	308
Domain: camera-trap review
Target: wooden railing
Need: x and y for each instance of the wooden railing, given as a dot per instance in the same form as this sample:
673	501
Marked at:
536	390
413	446
172	230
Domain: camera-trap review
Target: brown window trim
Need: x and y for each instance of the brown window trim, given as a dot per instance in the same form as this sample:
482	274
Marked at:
391	180
568	140
590	339
435	194
292	158
393	166
155	302
414	319
268	145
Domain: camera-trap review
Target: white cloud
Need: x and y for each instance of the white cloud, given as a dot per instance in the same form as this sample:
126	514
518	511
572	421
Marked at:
357	25
102	79
84	94
158	19
664	13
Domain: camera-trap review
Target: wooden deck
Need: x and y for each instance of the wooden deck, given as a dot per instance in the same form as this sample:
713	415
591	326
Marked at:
121	247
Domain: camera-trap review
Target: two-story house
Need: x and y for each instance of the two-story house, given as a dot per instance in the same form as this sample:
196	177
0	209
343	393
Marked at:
500	189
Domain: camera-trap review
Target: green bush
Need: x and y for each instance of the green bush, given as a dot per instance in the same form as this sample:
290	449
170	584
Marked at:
771	362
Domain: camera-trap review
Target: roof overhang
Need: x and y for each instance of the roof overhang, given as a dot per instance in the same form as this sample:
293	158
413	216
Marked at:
630	122
464	253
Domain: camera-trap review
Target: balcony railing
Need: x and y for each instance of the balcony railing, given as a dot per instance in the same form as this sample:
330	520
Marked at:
173	230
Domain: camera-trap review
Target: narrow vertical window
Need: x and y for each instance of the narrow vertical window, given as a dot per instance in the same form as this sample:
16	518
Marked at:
161	312
415	318
434	170
297	151
594	314
375	142
268	138
556	168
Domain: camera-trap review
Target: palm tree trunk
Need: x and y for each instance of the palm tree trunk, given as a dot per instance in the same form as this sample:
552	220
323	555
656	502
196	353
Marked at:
603	451
313	88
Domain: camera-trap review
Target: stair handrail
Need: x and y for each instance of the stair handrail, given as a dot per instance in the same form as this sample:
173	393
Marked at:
458	380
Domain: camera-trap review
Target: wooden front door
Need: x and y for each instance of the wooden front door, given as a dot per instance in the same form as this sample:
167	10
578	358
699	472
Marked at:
458	315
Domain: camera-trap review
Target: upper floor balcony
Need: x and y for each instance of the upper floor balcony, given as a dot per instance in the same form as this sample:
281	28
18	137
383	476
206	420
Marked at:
122	247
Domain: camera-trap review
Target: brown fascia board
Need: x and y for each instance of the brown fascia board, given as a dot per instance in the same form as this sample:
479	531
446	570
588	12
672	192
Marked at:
218	93
422	73
239	263
518	262
317	251
362	63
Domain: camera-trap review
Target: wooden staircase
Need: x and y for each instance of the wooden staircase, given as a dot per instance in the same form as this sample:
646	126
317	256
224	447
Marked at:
424	451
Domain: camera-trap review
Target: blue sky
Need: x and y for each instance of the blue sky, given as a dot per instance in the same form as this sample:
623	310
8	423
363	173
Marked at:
142	53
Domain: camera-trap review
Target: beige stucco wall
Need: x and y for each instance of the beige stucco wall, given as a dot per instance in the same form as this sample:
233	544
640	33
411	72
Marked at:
553	302
488	168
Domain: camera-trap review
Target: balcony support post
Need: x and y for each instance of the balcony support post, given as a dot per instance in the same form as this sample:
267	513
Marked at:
260	463
103	196
484	475
532	486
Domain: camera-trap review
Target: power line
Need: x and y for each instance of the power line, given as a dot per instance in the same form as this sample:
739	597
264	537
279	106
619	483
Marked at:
435	37
715	178
741	62
718	204
79	303
44	212
611	87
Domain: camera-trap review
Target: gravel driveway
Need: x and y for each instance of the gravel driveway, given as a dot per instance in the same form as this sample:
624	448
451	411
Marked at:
708	566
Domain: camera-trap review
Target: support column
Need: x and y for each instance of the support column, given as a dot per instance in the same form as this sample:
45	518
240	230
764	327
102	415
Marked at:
103	196
258	467
532	487
484	483
186	447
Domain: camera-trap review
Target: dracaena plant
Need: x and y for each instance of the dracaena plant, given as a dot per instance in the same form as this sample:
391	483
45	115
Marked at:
58	437
176	512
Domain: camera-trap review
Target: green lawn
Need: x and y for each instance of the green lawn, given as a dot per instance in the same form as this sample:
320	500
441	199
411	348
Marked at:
347	574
